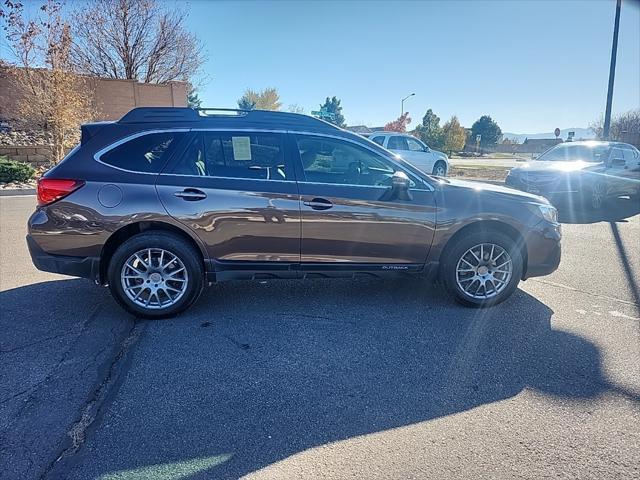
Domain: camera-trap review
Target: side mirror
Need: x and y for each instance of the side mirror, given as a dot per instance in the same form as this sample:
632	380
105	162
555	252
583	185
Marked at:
399	189
427	149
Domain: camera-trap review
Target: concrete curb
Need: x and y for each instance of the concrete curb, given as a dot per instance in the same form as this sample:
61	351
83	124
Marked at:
10	192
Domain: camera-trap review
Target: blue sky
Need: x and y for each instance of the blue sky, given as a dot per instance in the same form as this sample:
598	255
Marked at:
531	65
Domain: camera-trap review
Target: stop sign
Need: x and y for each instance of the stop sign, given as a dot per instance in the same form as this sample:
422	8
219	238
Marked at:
557	132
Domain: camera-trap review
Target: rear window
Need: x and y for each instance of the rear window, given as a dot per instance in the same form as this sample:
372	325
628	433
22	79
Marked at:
147	153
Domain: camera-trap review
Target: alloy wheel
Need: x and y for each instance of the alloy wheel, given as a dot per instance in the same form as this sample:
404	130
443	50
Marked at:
439	171
484	270
154	278
597	195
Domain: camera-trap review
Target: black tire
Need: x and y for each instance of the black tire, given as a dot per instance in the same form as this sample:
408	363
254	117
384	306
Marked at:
183	250
454	252
439	164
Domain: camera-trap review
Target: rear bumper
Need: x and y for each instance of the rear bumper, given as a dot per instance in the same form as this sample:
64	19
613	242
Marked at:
85	267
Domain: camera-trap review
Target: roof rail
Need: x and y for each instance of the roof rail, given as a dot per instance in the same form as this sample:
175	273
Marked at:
225	112
160	114
186	114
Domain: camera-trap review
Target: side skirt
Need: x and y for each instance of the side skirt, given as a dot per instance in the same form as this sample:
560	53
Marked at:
220	271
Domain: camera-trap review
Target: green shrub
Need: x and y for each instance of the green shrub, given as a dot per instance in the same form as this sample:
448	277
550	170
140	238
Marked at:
11	171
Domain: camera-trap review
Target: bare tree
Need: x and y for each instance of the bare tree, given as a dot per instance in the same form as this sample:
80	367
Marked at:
52	96
135	39
625	127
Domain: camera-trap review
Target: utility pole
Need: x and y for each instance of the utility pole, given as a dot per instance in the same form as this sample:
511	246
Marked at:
612	73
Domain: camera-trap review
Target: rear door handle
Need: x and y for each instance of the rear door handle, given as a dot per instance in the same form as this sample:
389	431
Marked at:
191	194
319	204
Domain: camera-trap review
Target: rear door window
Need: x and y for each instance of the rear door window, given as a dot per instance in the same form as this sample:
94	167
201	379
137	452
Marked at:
245	155
146	153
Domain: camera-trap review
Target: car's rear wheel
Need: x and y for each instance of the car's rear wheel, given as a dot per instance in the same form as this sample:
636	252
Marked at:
156	275
482	268
440	169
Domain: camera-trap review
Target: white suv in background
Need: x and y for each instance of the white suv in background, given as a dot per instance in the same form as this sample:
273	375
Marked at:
413	151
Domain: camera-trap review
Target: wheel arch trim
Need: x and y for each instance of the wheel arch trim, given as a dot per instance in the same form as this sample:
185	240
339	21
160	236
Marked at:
127	231
488	226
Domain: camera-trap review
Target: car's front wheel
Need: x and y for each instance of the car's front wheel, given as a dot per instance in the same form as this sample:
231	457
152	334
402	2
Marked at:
440	169
156	275
482	268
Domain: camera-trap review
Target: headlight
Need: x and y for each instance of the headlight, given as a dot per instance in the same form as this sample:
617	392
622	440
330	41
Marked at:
549	213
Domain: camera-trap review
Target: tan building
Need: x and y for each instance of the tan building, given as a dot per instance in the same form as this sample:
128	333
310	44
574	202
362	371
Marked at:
112	98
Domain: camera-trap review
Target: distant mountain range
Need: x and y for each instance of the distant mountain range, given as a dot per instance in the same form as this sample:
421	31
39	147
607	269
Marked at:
585	133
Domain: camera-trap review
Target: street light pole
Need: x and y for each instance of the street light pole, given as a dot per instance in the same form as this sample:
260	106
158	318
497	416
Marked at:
612	73
402	103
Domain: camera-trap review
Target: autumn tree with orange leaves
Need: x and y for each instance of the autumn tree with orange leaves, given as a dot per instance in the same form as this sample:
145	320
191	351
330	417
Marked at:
399	124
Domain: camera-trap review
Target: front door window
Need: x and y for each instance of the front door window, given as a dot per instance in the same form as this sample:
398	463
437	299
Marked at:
334	161
415	145
397	143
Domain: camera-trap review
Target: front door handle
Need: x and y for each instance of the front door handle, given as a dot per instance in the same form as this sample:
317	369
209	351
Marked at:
191	194
319	204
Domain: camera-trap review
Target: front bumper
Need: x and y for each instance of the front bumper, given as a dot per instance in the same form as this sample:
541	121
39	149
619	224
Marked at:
85	267
544	250
555	190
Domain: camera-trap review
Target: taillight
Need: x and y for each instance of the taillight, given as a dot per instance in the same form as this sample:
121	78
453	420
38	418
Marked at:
52	189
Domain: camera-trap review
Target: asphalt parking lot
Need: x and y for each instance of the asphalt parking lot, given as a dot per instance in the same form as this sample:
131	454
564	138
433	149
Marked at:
327	379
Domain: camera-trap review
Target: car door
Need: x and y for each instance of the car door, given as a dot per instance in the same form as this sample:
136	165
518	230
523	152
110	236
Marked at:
346	220
617	173
419	155
631	169
236	190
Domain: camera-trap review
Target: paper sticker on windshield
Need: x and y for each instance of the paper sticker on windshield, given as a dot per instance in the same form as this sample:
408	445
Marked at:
241	148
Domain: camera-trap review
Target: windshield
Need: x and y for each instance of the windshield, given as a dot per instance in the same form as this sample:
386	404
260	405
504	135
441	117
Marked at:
570	153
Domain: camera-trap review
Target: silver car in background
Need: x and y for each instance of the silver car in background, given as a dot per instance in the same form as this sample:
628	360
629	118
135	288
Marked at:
584	173
414	151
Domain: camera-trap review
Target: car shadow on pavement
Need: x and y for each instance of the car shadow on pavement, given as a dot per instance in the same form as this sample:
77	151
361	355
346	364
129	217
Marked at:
55	339
258	372
614	210
627	264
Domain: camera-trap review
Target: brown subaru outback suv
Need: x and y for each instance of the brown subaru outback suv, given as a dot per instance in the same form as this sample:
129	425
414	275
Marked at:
166	199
